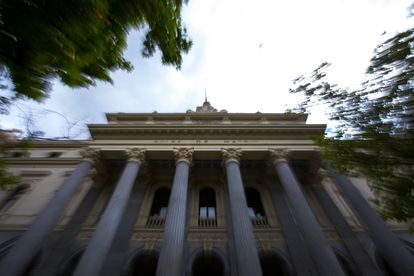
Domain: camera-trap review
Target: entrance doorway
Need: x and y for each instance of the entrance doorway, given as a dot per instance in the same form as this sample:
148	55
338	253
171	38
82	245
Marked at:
145	264
208	265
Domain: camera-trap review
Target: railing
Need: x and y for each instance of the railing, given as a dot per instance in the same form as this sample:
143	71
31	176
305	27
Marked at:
207	222
260	222
155	222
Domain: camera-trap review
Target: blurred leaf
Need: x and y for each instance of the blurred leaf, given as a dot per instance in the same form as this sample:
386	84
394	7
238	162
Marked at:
81	41
374	134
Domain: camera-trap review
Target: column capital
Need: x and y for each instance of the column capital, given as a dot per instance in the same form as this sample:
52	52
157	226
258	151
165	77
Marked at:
322	173
231	154
320	177
279	155
91	155
183	154
136	154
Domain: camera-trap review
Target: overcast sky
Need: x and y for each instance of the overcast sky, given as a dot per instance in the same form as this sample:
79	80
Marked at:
245	54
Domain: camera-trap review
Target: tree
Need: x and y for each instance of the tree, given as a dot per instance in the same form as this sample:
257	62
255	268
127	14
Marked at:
8	142
82	41
374	134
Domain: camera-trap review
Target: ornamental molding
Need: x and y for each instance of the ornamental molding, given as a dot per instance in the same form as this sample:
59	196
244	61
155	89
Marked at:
269	237
91	155
153	237
183	154
201	131
207	237
231	154
279	155
136	154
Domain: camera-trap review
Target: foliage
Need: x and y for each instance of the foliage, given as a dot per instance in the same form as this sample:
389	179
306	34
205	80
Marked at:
82	41
374	133
8	141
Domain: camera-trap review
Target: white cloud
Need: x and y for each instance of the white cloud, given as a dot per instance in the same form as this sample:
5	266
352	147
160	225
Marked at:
245	53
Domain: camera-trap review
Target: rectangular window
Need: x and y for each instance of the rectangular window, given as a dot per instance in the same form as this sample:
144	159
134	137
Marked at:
163	212
212	212
203	212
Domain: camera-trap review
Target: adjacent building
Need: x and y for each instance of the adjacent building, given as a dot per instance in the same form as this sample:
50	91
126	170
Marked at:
204	192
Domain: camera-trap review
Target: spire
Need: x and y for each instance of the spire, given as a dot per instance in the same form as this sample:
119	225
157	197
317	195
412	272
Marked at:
205	95
206	107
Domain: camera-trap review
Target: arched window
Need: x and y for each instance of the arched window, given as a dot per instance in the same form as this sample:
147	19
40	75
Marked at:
207	211
255	207
159	208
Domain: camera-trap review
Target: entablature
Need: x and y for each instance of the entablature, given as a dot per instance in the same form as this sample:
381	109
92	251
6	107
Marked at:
206	132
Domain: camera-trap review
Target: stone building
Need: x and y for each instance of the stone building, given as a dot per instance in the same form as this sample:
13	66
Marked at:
204	192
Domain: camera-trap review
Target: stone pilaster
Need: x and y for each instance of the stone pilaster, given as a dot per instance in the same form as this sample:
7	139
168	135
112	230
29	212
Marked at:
319	248
94	256
171	260
29	244
247	257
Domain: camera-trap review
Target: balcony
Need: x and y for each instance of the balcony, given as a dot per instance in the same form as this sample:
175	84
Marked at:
155	222
207	223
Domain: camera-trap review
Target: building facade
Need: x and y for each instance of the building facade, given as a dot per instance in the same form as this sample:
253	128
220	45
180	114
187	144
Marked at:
204	192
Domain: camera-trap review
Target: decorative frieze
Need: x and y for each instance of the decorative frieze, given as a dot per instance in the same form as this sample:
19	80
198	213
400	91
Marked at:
147	236
183	154
207	237
231	154
269	236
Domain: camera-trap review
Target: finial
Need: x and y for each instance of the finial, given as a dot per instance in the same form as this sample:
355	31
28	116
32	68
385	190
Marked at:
205	95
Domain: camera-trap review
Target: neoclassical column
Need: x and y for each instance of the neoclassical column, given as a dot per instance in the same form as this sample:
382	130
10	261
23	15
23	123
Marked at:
94	256
391	249
349	238
247	257
28	245
301	259
171	260
319	248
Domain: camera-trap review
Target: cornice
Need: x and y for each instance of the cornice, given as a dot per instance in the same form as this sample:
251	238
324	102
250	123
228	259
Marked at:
119	117
42	161
59	143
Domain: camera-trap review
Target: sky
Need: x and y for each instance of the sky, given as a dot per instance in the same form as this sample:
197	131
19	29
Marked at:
245	55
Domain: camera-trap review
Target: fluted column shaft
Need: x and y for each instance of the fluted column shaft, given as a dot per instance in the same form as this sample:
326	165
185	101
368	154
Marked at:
247	257
171	260
391	249
299	254
319	248
349	238
28	245
94	256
